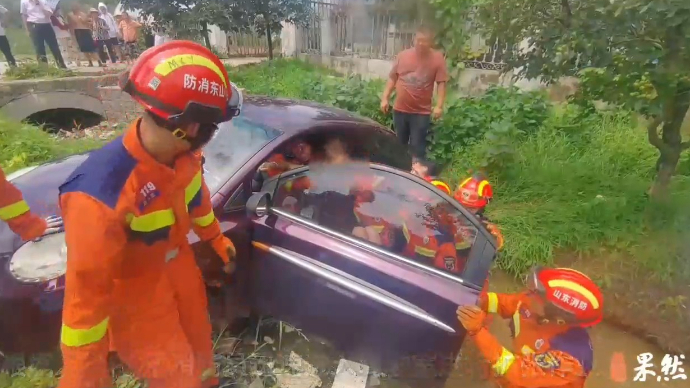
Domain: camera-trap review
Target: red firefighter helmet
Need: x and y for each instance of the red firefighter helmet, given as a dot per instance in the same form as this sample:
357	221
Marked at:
181	81
474	191
441	185
572	292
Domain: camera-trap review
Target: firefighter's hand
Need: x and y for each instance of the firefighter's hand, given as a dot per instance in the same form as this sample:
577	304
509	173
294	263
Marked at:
229	268
54	225
471	318
224	248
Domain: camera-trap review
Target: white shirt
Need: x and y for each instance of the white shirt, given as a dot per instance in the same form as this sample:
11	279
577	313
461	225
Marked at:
33	10
3	11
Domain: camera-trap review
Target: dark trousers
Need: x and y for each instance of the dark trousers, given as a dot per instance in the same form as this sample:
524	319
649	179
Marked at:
6	50
102	46
412	129
42	34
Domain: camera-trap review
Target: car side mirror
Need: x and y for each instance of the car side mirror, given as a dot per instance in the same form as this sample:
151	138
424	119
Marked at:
258	204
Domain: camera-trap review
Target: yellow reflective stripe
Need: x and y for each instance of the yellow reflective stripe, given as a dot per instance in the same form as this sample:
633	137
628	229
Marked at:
377	228
208	374
526	350
206	220
480	189
462	245
14	210
288	185
516	319
177	61
192	188
464	182
152	221
492	306
440	184
504	362
80	337
567	284
406	232
425	251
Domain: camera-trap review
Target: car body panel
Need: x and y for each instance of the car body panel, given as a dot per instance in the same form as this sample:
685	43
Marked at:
372	305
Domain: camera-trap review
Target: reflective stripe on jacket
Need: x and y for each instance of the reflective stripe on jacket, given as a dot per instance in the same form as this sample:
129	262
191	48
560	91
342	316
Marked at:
15	211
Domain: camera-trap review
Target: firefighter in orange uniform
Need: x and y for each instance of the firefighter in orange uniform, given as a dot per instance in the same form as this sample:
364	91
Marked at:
429	171
131	279
15	211
474	193
551	346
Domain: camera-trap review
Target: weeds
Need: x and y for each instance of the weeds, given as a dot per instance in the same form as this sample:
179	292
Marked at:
23	145
33	70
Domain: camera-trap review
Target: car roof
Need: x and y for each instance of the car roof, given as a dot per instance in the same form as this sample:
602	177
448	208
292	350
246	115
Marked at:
292	116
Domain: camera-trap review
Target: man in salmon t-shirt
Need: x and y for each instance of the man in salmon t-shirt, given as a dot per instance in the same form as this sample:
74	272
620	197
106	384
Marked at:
413	76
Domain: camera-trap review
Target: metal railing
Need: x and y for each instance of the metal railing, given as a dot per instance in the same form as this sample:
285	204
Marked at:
241	44
360	28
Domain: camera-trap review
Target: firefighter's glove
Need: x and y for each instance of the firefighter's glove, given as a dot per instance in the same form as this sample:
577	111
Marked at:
471	318
54	225
226	250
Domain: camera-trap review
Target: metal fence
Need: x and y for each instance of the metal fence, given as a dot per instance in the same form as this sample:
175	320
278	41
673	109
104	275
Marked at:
360	28
242	44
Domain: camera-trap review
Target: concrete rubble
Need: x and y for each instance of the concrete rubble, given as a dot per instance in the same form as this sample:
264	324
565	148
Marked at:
299	374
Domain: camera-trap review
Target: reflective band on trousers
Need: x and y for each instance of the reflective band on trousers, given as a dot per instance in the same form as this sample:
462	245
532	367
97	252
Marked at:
192	188
208	374
81	337
14	210
152	221
504	362
493	303
516	319
206	220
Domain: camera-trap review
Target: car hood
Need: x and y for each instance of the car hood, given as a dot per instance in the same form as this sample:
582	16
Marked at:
40	189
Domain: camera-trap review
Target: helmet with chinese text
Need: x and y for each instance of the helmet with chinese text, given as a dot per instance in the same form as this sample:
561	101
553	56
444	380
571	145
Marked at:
572	295
181	82
474	192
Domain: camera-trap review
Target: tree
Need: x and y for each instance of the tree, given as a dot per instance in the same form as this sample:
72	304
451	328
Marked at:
630	53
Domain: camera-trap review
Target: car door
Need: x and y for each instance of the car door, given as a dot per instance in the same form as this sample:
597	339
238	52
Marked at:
378	300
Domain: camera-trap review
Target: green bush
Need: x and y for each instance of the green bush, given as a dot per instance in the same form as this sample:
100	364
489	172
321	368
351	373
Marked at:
29	378
504	114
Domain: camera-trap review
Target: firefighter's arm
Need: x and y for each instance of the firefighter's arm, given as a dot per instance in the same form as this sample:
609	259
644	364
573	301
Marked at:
549	369
504	305
496	232
94	241
16	213
204	221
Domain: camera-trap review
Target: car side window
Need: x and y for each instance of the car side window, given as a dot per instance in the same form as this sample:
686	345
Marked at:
384	209
383	148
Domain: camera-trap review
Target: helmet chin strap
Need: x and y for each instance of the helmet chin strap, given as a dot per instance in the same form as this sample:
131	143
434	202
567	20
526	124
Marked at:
204	135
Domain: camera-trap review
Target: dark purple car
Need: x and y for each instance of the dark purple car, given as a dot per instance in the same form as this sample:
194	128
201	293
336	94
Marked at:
351	257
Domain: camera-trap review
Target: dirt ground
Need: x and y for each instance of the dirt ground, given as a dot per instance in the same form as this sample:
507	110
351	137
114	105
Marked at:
637	302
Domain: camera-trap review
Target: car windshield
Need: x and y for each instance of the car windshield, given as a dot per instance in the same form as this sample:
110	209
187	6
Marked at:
235	142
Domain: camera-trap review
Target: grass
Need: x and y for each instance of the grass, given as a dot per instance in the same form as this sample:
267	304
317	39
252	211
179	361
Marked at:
30	69
20	42
23	145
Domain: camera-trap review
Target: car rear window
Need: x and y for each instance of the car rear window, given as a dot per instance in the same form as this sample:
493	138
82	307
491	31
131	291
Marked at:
233	145
381	208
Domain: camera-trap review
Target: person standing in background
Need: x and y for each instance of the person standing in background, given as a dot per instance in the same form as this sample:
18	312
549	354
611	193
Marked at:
36	16
64	37
100	35
80	24
112	43
129	29
4	43
413	76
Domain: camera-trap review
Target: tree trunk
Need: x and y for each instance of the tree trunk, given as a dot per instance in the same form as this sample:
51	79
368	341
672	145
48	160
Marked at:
670	145
268	36
207	40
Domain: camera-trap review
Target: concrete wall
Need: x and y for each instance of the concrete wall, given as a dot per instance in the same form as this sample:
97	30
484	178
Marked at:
97	94
472	82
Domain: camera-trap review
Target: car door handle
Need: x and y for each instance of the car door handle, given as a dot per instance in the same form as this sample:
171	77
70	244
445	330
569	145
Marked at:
354	285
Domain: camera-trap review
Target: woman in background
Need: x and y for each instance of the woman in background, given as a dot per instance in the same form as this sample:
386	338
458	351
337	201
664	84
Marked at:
100	35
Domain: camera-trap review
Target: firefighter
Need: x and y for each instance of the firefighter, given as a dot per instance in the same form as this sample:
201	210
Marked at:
475	193
300	155
429	171
15	211
131	279
551	344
